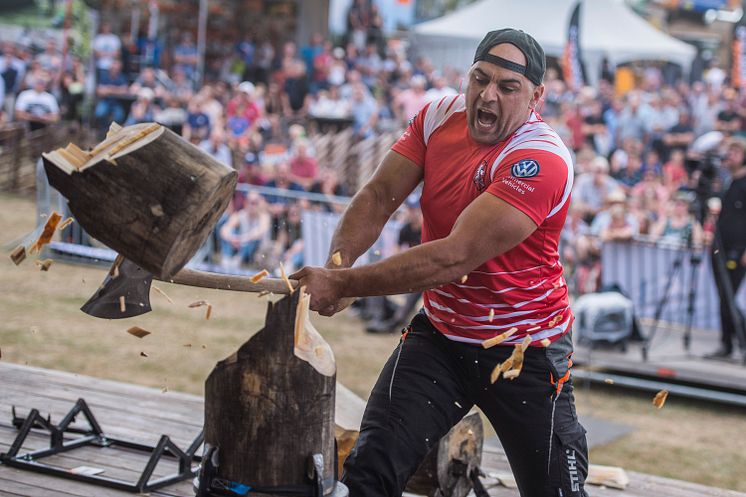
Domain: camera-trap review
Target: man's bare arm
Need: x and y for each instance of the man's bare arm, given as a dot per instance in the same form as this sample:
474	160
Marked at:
487	228
365	217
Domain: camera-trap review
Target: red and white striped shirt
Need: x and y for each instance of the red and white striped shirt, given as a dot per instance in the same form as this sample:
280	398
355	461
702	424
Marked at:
531	170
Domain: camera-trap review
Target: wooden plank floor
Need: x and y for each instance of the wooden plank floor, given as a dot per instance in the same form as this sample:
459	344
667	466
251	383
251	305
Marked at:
143	414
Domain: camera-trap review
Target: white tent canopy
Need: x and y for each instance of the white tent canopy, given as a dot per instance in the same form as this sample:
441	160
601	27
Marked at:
608	28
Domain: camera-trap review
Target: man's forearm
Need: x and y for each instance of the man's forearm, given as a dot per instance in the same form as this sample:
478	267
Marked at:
420	268
358	229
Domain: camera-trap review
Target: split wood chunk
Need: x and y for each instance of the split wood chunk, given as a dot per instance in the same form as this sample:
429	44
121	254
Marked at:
285	278
491	342
310	346
43	265
138	332
18	255
660	398
501	368
511	374
492	315
114	271
259	276
122	304
162	293
47	233
608	476
64	224
337	258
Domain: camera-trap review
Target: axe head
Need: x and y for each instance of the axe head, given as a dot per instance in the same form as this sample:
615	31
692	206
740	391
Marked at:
132	283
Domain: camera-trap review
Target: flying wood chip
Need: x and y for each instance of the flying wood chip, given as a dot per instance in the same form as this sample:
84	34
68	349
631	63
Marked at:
660	398
337	258
18	255
138	332
464	278
259	276
122	304
546	342
284	276
491	342
492	315
198	303
143	354
208	313
43	265
47	233
67	222
162	293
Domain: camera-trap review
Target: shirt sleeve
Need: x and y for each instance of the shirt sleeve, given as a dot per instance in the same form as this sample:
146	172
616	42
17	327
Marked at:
411	144
533	181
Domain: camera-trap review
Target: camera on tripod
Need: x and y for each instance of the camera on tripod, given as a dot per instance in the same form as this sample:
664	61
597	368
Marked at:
704	172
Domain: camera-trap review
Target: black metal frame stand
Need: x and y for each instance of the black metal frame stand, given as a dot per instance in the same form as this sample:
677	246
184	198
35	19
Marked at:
97	438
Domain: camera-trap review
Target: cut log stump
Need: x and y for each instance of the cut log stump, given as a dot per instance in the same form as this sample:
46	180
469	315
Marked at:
267	411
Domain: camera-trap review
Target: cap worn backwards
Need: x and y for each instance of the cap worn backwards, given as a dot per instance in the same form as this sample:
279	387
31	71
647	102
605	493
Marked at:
535	59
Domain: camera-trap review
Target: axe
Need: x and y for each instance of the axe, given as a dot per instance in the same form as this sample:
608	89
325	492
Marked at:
133	283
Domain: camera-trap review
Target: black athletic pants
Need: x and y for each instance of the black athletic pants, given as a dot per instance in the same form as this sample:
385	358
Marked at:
430	382
731	317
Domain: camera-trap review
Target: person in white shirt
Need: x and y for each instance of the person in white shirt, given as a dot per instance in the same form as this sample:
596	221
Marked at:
106	47
440	89
37	106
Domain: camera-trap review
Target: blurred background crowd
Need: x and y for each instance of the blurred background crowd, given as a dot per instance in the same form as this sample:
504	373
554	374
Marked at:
652	150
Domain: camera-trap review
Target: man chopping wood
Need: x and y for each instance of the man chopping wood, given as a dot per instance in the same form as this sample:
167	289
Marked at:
496	191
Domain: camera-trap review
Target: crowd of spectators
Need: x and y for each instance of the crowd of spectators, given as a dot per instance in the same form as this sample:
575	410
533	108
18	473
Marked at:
255	107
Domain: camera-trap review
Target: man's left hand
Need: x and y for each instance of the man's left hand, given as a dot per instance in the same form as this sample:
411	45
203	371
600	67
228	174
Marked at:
324	286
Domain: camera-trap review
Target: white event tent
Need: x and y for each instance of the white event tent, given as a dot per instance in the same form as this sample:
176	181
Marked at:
608	28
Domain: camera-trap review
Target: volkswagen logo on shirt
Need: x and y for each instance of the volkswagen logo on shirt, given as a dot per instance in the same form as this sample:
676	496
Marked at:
479	176
527	168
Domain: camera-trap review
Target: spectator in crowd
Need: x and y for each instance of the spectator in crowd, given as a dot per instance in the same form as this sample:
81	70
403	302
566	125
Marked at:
303	167
111	88
591	189
244	232
678	136
50	59
106	48
197	125
185	56
172	115
144	108
364	112
72	91
439	89
410	101
296	90
288	245
148	78
651	186
36	106
328	184
629	176
282	180
217	148
616	222
674	171
678	225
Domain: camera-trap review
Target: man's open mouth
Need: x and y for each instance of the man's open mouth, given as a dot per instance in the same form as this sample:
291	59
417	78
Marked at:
486	118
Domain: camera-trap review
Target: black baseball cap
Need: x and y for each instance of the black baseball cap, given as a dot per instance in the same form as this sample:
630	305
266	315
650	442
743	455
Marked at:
536	62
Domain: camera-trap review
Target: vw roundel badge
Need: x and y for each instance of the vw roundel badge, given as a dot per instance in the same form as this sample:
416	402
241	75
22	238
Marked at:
526	168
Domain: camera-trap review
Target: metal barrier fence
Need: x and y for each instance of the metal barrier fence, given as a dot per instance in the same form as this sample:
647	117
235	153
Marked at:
643	270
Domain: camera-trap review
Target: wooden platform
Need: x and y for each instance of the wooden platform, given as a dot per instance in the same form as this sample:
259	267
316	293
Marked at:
668	360
143	414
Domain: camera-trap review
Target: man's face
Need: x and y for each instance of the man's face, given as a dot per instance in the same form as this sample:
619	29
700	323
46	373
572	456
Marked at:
499	100
734	157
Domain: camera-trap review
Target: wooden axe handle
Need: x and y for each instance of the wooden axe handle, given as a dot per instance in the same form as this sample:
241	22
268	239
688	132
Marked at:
204	279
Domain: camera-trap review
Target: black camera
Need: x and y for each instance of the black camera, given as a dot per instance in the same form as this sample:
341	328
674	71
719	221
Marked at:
705	170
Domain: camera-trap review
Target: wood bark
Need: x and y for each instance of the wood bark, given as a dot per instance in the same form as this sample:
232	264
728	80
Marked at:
145	192
267	411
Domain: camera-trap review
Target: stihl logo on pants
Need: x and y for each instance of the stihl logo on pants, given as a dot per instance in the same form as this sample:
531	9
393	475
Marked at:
572	468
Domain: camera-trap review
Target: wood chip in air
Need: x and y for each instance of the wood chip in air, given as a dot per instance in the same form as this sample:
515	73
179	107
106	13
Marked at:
464	278
501	368
143	354
64	224
208	313
259	276
609	381
187	345
162	293
284	276
535	328
47	233
164	389
18	255
511	374
337	258
499	338
197	303
492	315
546	342
43	265
660	398
138	332
263	293
114	271
122	304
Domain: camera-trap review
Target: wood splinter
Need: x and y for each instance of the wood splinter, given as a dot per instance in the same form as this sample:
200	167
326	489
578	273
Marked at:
18	255
138	332
259	276
43	265
122	304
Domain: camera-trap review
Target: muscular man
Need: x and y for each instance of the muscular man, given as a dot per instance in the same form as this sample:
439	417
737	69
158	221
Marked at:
496	190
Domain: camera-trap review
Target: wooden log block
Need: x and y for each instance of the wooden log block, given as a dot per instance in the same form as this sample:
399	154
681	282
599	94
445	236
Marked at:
145	192
268	410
